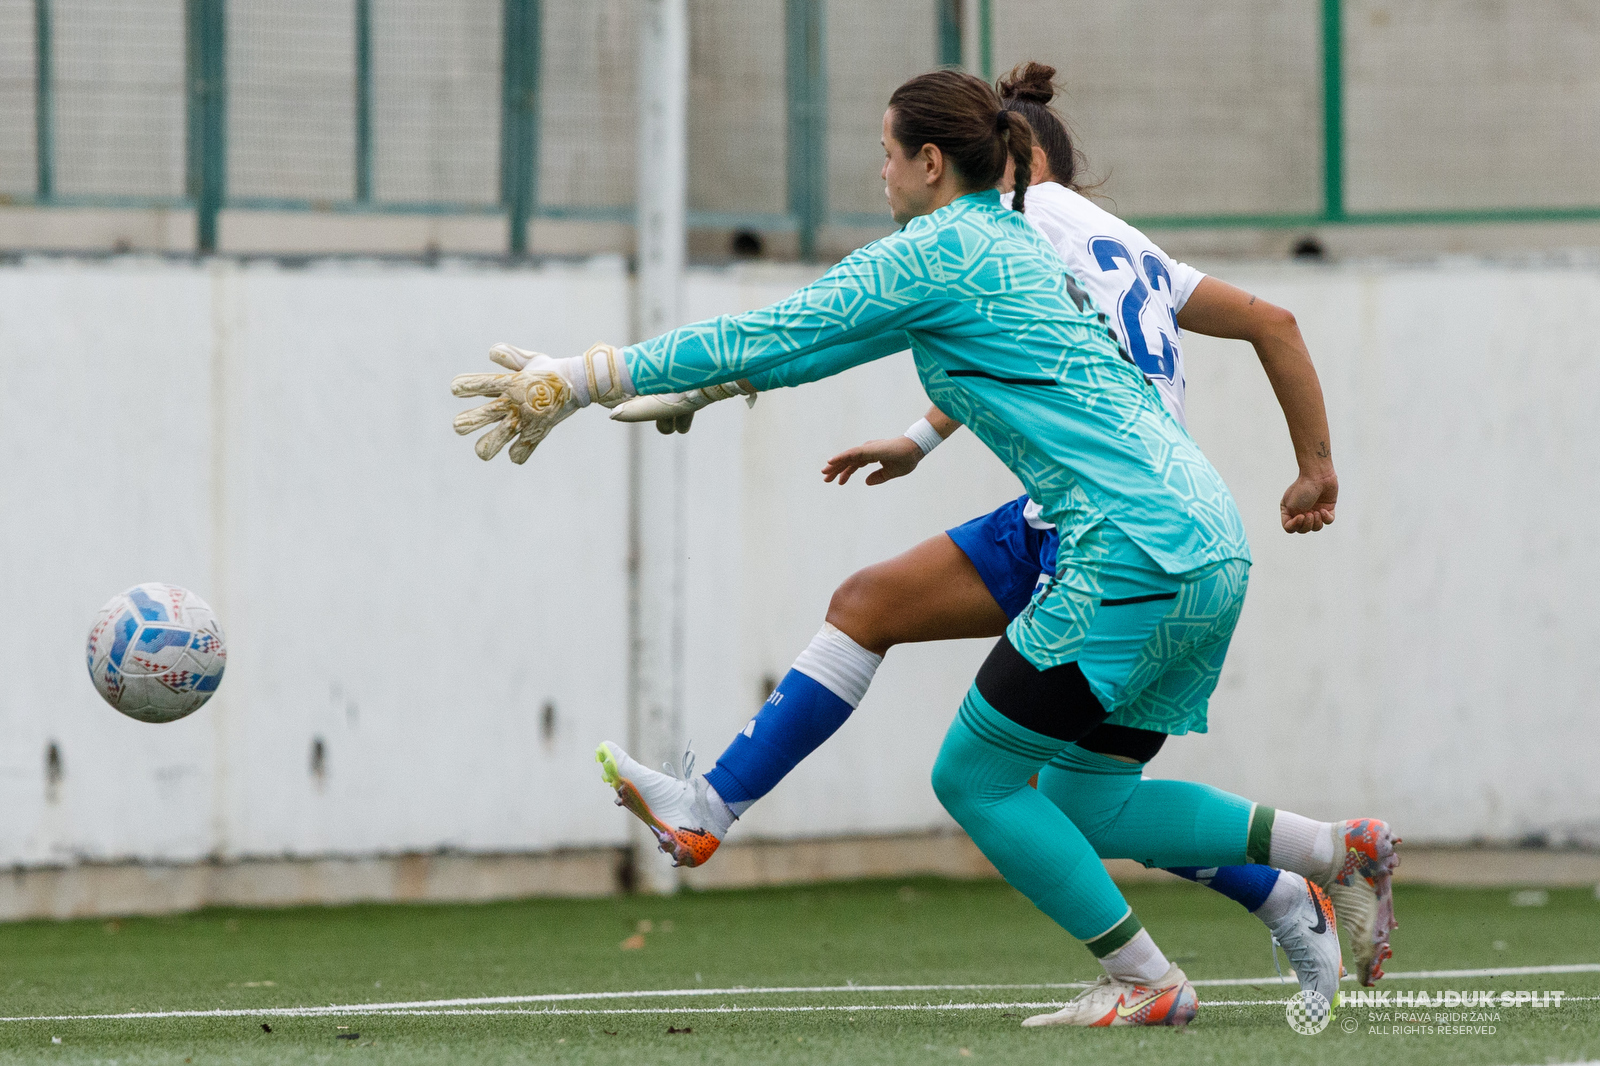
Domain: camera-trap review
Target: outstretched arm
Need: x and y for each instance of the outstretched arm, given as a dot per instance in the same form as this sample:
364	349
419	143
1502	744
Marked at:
861	307
850	309
673	412
1218	309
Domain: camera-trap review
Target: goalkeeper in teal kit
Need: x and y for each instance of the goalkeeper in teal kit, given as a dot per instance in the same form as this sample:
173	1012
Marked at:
1153	562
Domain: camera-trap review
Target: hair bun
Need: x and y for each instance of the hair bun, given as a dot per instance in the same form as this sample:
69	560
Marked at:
1029	81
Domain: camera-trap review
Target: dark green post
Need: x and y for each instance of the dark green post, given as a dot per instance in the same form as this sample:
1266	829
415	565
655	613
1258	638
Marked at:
807	85
949	32
1333	109
363	100
208	115
44	101
519	119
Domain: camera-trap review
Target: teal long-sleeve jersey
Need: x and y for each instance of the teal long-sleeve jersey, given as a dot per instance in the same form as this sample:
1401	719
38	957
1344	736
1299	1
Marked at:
1006	341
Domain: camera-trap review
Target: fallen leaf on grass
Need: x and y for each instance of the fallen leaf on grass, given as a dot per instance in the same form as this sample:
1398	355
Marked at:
633	943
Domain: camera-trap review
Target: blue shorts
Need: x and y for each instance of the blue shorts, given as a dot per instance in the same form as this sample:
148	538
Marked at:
1012	557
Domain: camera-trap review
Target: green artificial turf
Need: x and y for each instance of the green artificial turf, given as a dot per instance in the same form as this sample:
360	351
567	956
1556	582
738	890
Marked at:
899	932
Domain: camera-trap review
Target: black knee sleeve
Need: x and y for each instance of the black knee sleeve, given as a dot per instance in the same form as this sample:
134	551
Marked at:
1056	702
1140	745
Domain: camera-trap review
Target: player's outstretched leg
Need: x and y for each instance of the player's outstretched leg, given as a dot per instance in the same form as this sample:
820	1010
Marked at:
931	592
690	815
981	777
822	689
1183	824
1093	782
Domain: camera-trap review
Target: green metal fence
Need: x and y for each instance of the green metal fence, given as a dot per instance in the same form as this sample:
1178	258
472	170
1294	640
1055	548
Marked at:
385	106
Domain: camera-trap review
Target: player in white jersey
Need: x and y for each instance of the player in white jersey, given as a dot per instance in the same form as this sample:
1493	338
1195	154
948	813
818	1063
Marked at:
1135	282
972	580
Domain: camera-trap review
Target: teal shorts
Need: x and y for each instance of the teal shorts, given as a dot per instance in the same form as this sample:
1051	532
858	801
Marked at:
1151	644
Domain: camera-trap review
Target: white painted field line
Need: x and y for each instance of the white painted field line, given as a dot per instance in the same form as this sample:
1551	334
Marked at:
810	1009
324	1012
1415	975
608	1012
568	997
550	997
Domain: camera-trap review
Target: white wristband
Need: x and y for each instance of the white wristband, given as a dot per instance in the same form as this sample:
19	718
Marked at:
924	435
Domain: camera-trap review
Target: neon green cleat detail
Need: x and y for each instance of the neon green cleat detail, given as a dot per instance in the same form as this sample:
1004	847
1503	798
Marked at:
678	812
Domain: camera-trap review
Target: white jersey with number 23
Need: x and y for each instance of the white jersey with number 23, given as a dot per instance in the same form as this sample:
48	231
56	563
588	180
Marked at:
1138	285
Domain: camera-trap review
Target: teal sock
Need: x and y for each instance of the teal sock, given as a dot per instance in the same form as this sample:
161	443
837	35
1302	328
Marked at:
981	777
1158	823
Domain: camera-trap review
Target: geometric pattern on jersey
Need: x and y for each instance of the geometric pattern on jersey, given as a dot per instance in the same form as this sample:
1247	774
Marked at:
1006	341
1179	666
1151	645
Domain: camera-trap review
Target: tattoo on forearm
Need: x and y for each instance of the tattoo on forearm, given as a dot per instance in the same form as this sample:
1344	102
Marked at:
1252	302
1322	449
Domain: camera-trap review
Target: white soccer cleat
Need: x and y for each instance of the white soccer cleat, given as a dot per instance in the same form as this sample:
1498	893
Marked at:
678	811
1310	937
1359	886
1111	1001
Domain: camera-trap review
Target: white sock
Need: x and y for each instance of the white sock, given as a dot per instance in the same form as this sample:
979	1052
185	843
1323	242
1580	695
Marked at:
1302	845
1289	890
721	810
1138	960
839	664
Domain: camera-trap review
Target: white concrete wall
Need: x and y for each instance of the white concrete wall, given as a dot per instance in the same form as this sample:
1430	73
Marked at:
278	440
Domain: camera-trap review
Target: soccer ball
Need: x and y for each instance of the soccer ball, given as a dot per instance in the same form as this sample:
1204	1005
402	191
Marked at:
156	652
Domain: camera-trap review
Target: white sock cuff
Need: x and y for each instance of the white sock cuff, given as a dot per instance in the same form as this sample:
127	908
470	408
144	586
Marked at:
1284	895
1137	960
838	664
1301	844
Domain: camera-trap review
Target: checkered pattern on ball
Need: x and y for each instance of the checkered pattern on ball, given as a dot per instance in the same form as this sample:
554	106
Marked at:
1308	1012
156	652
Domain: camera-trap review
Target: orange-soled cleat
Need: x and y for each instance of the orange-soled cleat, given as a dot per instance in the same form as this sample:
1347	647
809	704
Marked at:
1112	1001
1364	862
676	809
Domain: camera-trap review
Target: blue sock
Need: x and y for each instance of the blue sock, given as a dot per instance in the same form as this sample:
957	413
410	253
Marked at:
826	683
1248	886
799	715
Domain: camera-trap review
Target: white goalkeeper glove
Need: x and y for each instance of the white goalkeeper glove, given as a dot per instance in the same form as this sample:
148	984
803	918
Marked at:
672	412
540	393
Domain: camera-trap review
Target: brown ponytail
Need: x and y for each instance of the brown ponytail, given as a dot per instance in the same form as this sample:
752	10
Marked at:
1027	91
961	116
1018	137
